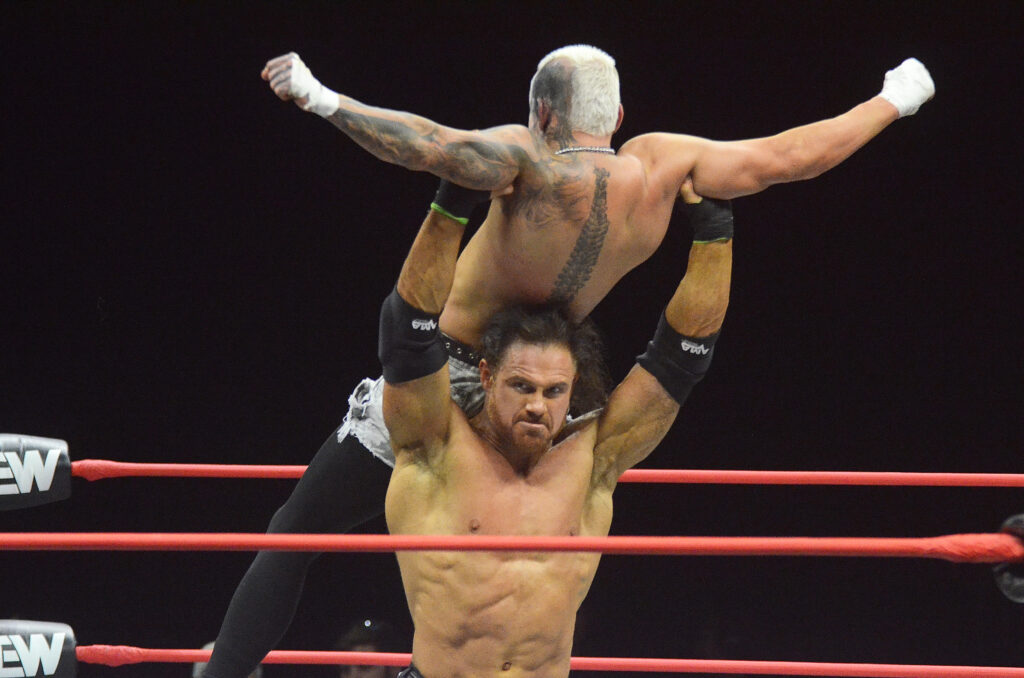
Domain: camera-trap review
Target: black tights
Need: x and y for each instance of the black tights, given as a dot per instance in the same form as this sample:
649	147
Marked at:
343	487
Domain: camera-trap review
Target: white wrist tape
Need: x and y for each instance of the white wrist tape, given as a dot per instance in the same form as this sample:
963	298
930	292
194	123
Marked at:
302	85
908	86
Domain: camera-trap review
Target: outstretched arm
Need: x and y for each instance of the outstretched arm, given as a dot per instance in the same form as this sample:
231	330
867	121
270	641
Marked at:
734	168
642	408
416	401
485	160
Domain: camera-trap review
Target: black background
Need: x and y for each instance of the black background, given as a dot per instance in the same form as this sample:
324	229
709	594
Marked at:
191	272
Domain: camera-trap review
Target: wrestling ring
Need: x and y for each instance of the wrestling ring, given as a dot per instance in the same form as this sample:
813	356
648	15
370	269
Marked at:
36	471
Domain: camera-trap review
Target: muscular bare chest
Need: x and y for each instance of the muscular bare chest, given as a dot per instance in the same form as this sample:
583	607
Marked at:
482	613
491	502
476	491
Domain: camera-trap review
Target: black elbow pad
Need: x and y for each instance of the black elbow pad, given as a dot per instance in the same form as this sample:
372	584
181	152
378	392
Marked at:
408	344
676	361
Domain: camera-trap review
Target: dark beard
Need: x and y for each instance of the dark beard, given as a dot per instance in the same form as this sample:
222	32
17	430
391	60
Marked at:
503	439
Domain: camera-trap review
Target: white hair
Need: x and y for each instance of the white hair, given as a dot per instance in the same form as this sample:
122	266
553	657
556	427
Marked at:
594	108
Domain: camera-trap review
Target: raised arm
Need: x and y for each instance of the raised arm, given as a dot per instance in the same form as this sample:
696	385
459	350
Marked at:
733	168
416	403
642	408
486	160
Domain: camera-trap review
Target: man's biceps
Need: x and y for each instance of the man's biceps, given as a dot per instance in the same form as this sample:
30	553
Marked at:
611	447
728	177
414	422
631	442
647	404
621	420
410	402
481	164
497	152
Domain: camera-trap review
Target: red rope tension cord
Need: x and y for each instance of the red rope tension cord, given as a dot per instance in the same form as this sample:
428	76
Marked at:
98	469
957	548
118	655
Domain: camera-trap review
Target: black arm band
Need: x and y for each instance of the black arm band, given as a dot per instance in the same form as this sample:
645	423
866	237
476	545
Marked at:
457	202
409	344
676	361
710	219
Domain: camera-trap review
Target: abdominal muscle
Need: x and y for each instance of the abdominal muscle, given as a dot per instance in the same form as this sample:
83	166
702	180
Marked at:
503	614
495	614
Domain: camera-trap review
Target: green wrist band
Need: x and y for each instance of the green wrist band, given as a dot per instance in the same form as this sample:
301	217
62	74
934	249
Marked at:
440	210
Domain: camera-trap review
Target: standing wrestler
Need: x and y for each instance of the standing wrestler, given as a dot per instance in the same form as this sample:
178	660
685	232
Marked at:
573	219
516	468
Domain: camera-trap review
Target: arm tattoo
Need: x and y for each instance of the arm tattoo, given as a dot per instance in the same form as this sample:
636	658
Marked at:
419	144
583	258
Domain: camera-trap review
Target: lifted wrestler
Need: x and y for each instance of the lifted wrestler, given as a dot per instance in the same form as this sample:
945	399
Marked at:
578	215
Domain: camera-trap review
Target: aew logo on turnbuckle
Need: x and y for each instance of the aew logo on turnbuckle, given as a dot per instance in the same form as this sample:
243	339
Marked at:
425	325
696	349
34	648
33	471
26	655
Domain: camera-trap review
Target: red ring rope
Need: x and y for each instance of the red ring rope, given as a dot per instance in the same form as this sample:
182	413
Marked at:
98	469
117	655
957	548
